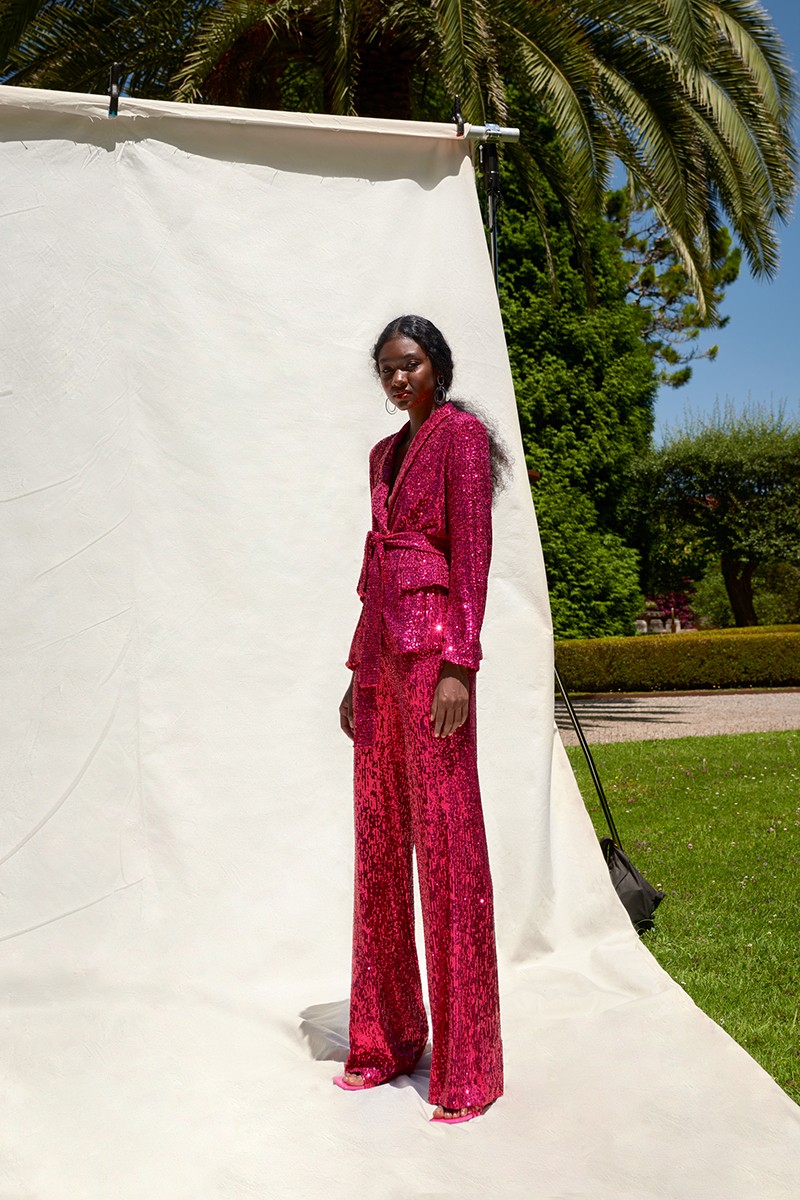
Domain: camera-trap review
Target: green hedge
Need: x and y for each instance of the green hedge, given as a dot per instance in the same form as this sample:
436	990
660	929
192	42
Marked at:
671	662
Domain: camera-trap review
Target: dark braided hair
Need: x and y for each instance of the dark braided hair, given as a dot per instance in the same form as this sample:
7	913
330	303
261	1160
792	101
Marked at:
432	340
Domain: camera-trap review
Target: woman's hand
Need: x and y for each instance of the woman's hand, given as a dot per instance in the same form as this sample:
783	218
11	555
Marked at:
346	710
450	707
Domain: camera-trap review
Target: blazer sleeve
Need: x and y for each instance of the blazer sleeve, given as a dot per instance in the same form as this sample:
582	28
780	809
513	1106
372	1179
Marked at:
468	498
354	656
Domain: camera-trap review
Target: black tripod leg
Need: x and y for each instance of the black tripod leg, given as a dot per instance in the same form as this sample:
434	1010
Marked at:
592	768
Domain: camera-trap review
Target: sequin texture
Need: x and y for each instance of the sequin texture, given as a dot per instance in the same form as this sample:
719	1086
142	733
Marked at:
423	584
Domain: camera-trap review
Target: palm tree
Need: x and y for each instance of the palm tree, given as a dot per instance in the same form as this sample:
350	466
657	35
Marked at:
694	97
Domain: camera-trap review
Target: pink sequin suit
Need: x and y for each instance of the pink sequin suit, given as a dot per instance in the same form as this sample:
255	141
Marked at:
423	587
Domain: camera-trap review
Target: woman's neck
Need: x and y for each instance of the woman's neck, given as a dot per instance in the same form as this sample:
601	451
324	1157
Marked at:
418	419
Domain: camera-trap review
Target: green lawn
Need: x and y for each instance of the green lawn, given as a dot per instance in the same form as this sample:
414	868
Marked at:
715	823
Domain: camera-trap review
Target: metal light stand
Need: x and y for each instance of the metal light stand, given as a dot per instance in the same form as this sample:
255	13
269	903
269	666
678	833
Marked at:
488	136
573	716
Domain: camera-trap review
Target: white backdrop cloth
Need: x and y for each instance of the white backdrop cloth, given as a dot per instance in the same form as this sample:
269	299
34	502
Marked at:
189	295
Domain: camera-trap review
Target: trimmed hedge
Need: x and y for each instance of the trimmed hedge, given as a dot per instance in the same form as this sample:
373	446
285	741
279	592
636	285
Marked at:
672	662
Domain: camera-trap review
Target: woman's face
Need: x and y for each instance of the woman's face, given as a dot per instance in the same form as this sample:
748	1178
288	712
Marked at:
407	375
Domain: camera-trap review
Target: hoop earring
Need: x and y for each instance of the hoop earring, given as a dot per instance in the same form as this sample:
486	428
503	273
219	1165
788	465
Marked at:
440	394
391	411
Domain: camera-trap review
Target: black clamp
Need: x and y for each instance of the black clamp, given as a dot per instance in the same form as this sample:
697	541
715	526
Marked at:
487	153
113	89
457	117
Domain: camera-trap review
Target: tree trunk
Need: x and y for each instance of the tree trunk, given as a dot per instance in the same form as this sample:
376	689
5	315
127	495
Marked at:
738	577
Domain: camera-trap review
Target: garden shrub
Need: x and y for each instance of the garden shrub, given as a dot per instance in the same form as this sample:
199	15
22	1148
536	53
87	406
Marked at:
725	658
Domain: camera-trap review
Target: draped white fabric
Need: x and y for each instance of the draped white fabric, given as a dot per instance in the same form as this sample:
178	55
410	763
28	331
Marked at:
189	296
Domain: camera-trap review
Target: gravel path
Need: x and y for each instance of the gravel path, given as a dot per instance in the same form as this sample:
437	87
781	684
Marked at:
674	715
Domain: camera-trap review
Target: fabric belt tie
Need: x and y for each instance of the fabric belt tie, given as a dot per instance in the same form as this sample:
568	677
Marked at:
370	589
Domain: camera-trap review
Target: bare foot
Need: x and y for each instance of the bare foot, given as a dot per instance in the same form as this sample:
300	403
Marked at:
353	1078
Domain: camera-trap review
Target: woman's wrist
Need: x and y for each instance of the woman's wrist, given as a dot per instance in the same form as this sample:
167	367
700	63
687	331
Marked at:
450	670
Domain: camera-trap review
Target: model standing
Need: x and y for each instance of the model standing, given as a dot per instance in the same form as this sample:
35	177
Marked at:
410	710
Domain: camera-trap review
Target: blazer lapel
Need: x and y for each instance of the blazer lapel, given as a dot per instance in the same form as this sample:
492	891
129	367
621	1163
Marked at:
427	428
380	495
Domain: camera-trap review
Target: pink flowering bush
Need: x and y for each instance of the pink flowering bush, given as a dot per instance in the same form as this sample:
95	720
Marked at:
662	606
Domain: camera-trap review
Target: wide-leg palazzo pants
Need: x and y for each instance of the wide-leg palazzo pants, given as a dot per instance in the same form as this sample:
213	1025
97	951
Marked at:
415	791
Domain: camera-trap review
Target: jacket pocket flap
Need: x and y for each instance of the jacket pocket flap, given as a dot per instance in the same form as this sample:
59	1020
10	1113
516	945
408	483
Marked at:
421	570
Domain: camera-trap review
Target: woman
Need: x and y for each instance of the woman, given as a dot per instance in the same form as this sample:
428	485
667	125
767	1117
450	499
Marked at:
410	710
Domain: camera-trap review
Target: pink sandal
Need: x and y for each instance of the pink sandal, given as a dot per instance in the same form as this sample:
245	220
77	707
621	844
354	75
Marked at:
350	1087
339	1080
456	1120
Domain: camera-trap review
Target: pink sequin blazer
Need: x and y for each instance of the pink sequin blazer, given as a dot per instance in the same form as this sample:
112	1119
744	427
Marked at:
426	559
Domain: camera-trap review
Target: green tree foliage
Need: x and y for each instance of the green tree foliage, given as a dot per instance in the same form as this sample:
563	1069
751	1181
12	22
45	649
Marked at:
592	576
728	486
71	46
694	97
585	389
776	596
659	287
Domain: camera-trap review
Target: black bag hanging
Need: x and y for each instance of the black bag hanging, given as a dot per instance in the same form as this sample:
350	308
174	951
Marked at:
639	897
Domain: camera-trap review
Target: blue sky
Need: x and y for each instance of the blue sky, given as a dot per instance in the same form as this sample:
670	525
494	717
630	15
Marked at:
759	350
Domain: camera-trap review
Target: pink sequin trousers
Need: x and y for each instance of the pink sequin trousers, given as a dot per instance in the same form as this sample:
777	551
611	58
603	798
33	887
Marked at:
413	790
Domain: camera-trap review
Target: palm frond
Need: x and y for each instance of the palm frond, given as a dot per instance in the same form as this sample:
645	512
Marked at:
563	91
695	97
464	33
15	17
223	26
72	47
750	32
338	47
687	29
653	161
724	94
732	186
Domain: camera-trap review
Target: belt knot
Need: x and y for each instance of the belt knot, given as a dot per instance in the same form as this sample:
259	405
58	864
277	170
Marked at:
370	589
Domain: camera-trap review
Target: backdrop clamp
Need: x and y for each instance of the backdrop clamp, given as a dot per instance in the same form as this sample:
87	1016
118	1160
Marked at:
493	133
113	89
457	117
